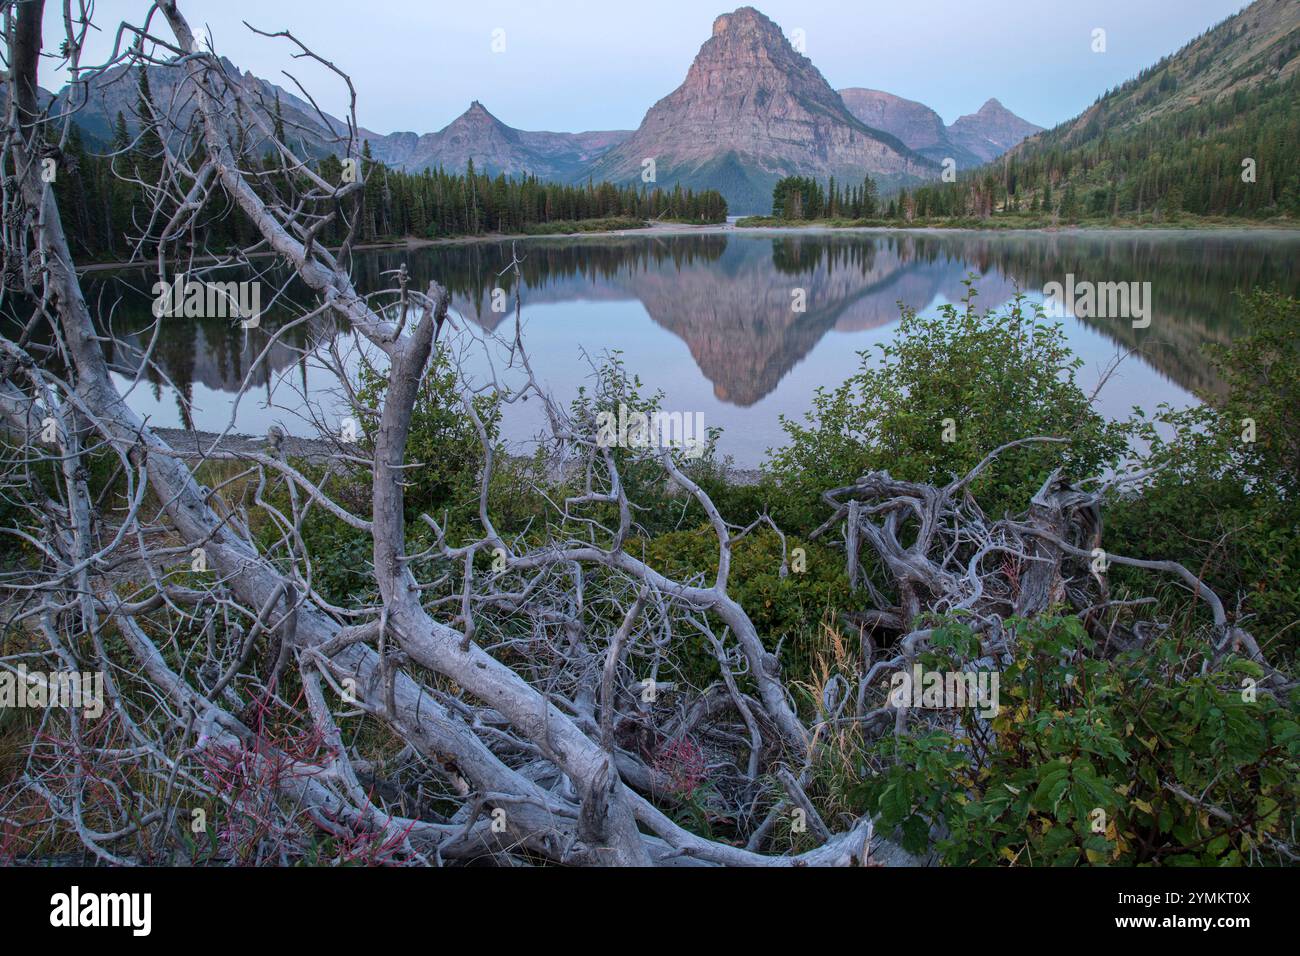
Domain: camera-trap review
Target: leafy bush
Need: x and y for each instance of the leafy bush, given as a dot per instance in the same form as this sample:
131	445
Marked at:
659	504
1155	757
562	227
997	377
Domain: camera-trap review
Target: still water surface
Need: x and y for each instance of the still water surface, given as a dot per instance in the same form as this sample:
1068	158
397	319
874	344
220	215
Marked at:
708	318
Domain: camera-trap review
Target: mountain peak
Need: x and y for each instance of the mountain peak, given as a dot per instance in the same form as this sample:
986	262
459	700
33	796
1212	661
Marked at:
477	121
991	131
750	110
971	140
747	36
743	20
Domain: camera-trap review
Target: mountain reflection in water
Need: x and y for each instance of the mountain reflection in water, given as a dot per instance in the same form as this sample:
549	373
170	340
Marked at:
709	318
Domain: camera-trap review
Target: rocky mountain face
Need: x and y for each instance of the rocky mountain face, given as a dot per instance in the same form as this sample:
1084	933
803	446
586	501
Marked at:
918	126
971	140
991	131
496	148
750	111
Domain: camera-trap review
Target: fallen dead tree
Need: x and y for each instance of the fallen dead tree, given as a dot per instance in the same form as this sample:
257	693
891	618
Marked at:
942	555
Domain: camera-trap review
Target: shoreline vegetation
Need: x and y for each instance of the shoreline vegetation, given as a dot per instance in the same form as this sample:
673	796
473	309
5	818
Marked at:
800	200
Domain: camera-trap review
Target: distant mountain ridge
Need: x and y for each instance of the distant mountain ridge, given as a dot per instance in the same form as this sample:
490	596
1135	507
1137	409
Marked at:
496	148
476	134
971	140
750	110
96	105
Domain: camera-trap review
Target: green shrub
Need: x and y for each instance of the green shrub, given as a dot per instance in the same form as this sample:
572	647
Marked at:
658	503
564	226
996	377
1086	758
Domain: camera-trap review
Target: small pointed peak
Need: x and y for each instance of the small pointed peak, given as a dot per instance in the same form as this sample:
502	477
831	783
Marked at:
477	112
991	104
478	109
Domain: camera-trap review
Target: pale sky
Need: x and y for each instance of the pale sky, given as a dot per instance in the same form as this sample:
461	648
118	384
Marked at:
571	65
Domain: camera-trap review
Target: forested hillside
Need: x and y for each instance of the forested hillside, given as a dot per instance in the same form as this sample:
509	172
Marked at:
1212	130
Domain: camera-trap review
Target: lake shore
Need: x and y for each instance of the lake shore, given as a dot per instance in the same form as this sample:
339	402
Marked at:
662	229
417	242
700	312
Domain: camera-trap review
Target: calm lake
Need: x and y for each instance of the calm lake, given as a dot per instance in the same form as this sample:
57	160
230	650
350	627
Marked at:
709	318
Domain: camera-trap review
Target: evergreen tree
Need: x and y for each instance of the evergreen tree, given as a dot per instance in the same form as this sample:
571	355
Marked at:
149	154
